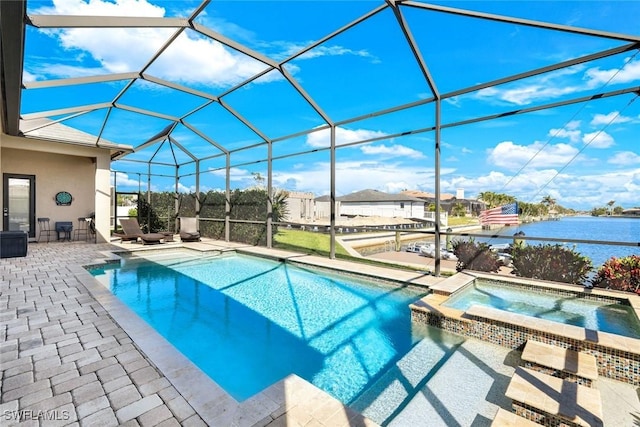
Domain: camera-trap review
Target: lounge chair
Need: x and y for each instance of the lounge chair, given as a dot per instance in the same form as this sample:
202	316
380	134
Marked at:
132	232
189	230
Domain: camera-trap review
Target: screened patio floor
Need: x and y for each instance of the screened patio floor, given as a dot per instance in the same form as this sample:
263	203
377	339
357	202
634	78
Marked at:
72	350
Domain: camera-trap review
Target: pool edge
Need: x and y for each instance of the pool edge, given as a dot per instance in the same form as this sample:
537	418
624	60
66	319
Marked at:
618	356
292	397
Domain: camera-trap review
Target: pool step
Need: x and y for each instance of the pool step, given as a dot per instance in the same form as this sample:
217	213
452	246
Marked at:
505	418
570	365
549	400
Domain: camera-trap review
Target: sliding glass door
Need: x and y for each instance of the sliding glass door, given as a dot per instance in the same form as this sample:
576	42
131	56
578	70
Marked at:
18	208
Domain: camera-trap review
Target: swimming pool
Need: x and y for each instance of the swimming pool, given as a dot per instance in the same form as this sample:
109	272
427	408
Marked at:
248	322
569	308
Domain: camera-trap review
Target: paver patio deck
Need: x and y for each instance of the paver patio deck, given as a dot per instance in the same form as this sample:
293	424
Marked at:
72	354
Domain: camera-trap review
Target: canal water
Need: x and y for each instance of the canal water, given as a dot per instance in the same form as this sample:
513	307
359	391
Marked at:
579	227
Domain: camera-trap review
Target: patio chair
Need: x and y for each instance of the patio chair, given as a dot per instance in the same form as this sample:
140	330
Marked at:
189	230
132	232
44	229
82	228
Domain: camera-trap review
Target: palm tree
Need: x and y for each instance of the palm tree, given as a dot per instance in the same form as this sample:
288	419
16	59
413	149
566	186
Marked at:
549	202
610	204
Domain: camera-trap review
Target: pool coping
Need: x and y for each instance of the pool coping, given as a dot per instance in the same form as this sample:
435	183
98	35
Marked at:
292	397
431	309
457	282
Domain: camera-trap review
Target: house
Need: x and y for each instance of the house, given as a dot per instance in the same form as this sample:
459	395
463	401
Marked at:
300	206
49	162
448	201
631	212
378	203
323	207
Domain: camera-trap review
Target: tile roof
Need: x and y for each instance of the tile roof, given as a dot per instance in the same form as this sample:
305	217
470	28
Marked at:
377	196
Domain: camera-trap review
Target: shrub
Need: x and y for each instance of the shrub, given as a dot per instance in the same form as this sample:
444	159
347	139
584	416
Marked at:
245	205
550	262
475	256
621	274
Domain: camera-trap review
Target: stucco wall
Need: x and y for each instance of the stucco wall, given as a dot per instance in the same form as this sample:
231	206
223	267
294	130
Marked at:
54	173
82	171
384	209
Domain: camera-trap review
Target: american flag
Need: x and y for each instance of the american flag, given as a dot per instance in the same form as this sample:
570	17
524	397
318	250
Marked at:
505	215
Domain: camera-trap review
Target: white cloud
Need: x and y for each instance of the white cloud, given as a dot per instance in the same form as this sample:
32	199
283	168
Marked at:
190	58
199	60
392	151
41	70
624	158
322	138
556	84
335	50
570	131
357	175
599	139
570	190
185	189
547	86
122	180
28	77
235	174
103	8
630	72
526	94
512	156
611	118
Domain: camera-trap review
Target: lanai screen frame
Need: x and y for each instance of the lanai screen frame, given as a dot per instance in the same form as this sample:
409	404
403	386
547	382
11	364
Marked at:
181	24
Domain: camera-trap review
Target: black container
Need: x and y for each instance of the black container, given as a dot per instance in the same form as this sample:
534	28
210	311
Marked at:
13	244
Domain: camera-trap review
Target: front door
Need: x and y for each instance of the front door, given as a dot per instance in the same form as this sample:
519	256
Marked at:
19	206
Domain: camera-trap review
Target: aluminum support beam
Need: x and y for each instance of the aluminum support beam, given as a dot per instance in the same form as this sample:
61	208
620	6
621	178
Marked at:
183	149
332	195
179	87
227	200
12	35
521	21
205	137
437	185
198	207
42	84
176	201
269	195
542	70
79	21
244	121
305	95
234	45
64	111
147	112
160	136
414	48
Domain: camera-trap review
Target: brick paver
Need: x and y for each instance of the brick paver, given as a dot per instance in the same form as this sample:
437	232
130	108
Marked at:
65	358
63	355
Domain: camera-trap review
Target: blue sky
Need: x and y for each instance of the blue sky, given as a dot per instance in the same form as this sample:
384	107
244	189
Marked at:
583	155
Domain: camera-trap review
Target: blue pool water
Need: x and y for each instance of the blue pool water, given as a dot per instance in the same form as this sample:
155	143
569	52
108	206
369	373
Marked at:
249	322
601	316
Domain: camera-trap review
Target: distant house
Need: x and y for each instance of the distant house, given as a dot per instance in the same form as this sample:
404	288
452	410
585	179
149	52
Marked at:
364	203
323	207
378	203
300	206
631	212
448	201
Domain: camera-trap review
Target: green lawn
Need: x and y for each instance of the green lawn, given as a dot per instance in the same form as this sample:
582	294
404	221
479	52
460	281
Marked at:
461	220
306	242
